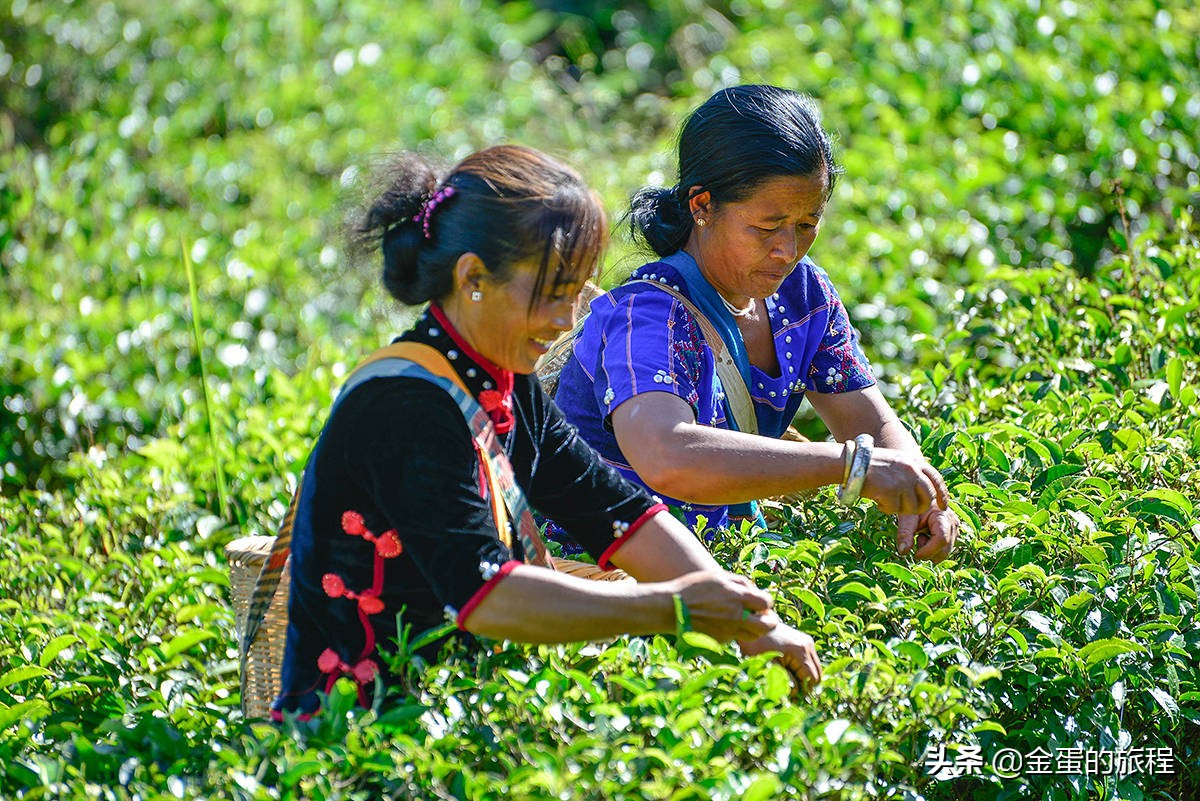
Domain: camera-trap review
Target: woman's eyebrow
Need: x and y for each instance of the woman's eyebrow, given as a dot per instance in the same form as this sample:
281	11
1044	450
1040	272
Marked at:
780	217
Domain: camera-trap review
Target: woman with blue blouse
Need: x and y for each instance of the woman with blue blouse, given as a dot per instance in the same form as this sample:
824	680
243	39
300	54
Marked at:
756	170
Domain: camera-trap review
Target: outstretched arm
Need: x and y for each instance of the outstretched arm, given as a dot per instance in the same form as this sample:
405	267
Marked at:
679	457
672	561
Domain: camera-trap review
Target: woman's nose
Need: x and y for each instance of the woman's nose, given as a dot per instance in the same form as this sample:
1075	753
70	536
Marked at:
786	247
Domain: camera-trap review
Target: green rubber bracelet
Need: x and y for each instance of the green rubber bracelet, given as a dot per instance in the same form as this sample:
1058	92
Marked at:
683	618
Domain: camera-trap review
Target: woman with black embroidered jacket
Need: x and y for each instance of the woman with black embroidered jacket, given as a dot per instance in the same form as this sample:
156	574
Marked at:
397	507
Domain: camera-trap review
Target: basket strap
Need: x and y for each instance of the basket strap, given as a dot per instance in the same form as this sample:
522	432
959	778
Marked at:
501	478
508	502
737	395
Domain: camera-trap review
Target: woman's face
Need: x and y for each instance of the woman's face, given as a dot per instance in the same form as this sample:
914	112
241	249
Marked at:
510	331
747	248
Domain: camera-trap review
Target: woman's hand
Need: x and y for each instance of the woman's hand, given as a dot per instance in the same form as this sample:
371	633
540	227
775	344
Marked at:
901	482
797	653
726	606
933	533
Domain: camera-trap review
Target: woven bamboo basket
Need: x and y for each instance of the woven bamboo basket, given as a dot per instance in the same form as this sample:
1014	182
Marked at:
261	680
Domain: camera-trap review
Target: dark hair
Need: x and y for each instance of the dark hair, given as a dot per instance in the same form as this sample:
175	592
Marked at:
509	203
729	146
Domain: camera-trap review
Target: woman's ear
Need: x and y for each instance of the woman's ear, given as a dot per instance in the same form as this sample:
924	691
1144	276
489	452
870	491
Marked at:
699	202
469	273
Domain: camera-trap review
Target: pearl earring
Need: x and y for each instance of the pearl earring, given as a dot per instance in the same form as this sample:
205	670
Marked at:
476	295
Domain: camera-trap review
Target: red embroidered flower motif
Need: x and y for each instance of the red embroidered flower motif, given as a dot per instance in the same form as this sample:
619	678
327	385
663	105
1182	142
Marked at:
363	672
333	585
352	523
388	545
328	661
371	604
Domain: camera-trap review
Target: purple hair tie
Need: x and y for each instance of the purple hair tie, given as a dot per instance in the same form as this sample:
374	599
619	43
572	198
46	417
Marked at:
426	213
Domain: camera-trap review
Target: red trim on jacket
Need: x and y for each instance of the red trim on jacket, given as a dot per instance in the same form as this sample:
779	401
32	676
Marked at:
498	402
603	562
482	592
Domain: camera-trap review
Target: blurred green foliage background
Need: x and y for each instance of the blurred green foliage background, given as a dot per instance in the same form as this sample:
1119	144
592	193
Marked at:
1014	236
973	135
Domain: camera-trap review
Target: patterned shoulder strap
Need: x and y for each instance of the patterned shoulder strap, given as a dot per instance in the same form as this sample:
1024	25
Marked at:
508	502
737	395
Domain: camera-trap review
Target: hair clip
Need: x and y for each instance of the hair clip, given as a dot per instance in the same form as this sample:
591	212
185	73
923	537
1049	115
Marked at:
426	213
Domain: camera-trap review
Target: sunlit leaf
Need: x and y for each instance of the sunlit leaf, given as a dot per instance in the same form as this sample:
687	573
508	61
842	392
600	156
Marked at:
1094	653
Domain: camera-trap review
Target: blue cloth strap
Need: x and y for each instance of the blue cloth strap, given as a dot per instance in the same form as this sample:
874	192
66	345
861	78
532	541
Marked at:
706	299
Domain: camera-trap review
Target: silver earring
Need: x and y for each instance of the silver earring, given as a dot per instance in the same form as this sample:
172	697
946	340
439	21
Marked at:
476	295
700	221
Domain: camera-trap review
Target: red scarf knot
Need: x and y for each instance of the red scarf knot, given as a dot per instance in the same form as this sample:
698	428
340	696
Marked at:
499	407
496	402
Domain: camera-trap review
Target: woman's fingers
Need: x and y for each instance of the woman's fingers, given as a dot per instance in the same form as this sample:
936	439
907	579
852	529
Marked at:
904	483
797	653
726	606
806	669
756	625
941	494
943	532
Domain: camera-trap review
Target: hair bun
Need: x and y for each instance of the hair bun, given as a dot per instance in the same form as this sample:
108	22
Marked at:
660	217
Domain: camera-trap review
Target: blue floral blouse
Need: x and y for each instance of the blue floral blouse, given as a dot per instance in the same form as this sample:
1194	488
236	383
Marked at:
638	339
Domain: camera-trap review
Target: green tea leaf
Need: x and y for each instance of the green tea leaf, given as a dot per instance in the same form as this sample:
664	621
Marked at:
762	788
996	456
989	725
185	641
914	652
1160	508
1094	653
811	600
1052	474
859	589
1175	375
777	685
30	710
1078	600
299	770
55	647
1172	497
23	673
1039	621
899	572
1164	700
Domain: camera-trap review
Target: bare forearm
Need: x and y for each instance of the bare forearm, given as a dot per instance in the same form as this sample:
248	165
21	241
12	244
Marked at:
536	605
706	465
893	433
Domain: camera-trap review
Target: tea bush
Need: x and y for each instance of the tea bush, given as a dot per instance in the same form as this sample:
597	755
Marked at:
1015	236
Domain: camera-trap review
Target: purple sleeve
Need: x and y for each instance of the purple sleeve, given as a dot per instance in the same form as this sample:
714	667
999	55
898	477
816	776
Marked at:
839	364
647	343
